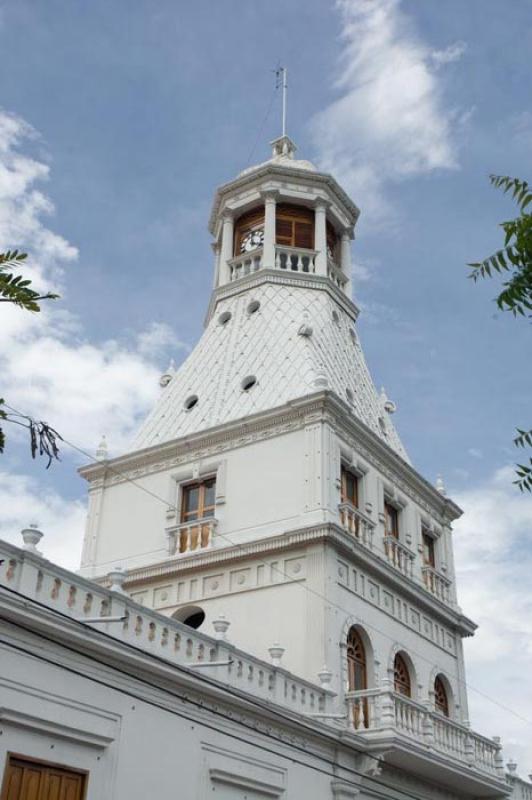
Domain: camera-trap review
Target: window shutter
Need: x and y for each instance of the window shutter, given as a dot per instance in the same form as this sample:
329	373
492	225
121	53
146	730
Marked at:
303	235
283	232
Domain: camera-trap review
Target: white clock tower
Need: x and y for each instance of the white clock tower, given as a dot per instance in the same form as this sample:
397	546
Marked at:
269	484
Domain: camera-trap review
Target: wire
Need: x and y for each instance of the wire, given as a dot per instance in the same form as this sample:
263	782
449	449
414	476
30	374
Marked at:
203	707
281	572
263	123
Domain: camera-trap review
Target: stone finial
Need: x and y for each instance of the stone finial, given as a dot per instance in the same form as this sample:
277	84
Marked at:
117	577
102	453
283	147
387	404
31	537
167	376
440	486
511	766
276	654
325	677
305	330
220	625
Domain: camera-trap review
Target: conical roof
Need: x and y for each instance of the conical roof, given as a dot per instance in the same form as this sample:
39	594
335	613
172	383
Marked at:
293	340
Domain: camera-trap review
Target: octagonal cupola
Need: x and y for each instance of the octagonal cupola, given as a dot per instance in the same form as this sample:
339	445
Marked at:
283	215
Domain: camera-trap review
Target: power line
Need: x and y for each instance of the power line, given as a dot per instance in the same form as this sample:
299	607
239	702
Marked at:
281	572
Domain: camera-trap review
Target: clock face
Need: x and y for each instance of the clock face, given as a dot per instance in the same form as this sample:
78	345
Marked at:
251	240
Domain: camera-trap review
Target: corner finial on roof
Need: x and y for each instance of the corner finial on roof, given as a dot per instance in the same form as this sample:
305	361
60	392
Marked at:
102	452
440	486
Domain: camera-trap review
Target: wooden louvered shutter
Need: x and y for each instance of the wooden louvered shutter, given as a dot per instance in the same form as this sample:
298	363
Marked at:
283	232
303	235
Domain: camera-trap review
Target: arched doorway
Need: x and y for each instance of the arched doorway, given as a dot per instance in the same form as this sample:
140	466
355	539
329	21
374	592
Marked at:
357	676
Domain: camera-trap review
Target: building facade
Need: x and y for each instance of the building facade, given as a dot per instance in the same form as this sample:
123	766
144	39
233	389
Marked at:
266	581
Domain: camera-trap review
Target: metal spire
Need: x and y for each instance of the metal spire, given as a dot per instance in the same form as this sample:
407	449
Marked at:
281	82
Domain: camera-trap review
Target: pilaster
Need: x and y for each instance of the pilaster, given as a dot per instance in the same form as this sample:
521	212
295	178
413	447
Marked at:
320	237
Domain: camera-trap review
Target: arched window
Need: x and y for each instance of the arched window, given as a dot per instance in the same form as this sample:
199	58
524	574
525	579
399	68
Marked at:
401	677
193	616
441	701
357	677
356	662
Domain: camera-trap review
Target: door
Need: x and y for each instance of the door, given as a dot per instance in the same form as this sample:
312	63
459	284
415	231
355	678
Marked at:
32	780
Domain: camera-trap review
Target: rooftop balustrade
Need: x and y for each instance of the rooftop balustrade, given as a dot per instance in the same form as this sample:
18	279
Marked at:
49	585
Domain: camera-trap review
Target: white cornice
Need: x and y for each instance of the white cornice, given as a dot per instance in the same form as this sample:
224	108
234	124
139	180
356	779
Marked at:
270	169
319	406
276	276
328	533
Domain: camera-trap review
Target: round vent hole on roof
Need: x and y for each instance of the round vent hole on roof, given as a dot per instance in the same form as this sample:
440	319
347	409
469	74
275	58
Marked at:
253	307
335	316
349	395
248	382
224	318
190	402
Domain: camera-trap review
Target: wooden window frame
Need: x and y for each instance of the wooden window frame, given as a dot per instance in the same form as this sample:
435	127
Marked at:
427	538
345	472
294	216
357	656
201	483
401	686
45	767
395	527
442	705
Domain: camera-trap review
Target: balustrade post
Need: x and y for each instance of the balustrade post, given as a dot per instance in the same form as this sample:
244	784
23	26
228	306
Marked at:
469	749
268	256
428	727
387	705
320	237
227	247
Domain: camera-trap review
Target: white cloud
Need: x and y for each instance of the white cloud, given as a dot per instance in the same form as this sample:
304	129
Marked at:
390	121
24	501
49	369
493	551
452	53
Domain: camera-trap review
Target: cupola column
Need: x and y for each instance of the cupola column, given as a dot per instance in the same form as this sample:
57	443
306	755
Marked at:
268	256
345	260
320	237
216	250
227	248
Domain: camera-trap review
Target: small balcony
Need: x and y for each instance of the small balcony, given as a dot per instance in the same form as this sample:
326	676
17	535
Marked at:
295	259
356	524
399	556
191	536
436	583
245	264
335	274
425	741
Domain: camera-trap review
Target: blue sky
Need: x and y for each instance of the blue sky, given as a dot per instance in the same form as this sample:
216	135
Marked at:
119	120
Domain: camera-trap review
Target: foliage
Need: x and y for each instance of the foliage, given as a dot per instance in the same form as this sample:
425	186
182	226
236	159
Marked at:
515	258
516	255
17	290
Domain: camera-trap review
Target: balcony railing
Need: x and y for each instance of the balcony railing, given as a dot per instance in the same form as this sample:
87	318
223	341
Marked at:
295	259
245	264
380	710
190	536
399	555
436	583
335	274
356	524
